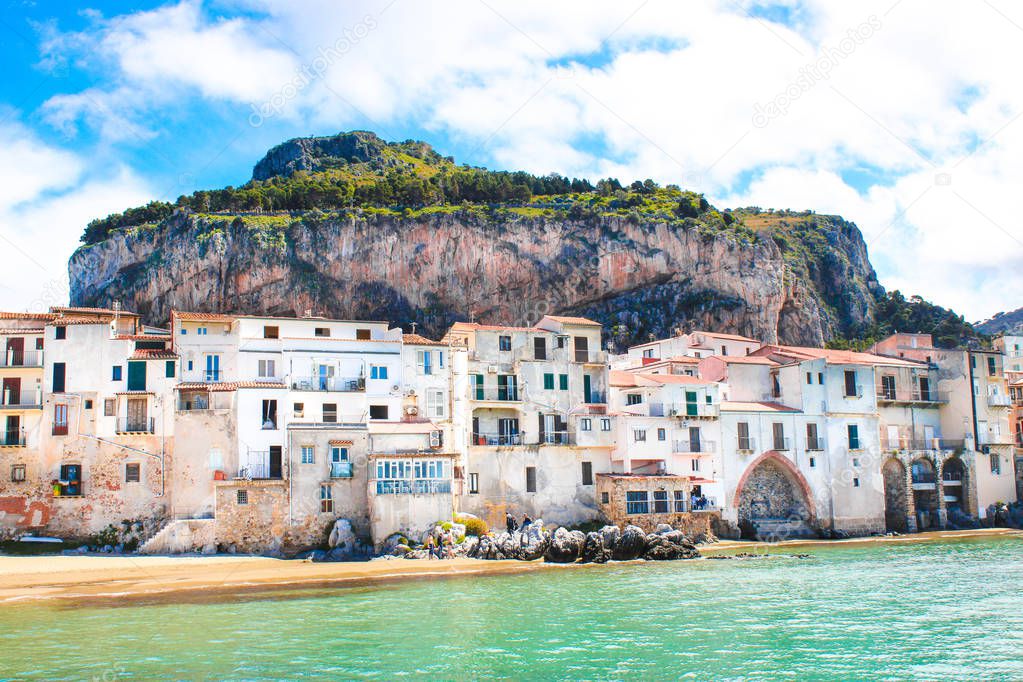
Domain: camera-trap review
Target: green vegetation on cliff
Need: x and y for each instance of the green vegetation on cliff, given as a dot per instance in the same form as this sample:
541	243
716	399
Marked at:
895	313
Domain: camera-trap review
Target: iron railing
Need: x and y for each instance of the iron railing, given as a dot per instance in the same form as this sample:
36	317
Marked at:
340	469
334	384
12	439
136	425
23	358
501	393
412	486
686	445
497	439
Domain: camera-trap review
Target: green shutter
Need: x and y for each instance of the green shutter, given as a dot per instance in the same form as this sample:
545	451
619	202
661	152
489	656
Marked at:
170	369
563	382
136	376
548	382
478	378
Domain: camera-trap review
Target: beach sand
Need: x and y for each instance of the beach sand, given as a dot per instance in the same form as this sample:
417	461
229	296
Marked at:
105	578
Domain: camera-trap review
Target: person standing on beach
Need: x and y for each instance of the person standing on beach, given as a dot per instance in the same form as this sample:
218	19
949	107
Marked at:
430	546
509	522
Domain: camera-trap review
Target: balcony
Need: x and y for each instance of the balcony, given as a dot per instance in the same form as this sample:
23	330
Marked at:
999	401
745	444
496	439
814	444
589	357
12	439
595	398
503	394
692	410
59	429
557	438
412	486
340	469
23	400
887	394
24	358
135	425
924	480
781	444
193	403
258	468
212	375
690	447
333	384
852	393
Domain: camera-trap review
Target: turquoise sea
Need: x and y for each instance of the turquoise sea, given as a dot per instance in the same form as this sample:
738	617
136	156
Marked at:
936	610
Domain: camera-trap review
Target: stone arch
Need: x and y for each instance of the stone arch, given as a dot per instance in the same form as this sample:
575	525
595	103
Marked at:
924	480
955	484
896	496
772	489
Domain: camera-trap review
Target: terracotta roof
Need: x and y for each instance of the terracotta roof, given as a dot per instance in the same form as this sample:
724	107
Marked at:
96	311
683	358
746	360
475	326
153	354
64	321
143	337
838	357
26	316
674	379
740	406
217	386
417	340
134	393
341	442
202	317
727	337
26	330
573	320
626	379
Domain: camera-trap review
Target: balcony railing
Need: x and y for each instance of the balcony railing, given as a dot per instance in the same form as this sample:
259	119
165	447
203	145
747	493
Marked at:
193	404
924	478
337	384
509	393
136	425
59	429
212	375
905	395
999	401
814	444
595	398
746	444
782	444
258	467
691	447
857	392
12	439
25	358
412	486
593	357
23	400
557	438
340	469
684	410
497	439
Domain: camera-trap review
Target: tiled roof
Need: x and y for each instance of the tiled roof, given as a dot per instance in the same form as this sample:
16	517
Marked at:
202	317
96	311
26	330
475	326
727	337
143	337
740	406
417	340
572	320
64	321
153	354
746	360
26	316
838	357
673	379
134	393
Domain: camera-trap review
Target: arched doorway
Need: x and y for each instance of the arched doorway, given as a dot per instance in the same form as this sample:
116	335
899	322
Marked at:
773	500
925	494
953	482
896	496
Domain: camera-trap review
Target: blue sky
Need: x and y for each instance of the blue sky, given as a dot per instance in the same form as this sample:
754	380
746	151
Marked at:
873	110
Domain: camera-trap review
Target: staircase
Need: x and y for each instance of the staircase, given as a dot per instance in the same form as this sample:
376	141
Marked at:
183	536
776	530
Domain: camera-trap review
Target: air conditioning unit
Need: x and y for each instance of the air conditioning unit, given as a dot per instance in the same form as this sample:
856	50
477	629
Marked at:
411	410
986	449
674	413
396	388
436	439
411	393
492	369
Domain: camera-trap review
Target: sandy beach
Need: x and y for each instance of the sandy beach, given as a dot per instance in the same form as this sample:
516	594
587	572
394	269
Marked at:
127	578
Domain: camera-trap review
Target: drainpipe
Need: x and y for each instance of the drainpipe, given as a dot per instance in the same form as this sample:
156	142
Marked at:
973	398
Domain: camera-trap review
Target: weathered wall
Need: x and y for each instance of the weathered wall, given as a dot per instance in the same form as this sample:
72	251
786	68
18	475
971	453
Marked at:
615	510
257	526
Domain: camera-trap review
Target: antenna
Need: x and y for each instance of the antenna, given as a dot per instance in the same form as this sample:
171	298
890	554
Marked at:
413	327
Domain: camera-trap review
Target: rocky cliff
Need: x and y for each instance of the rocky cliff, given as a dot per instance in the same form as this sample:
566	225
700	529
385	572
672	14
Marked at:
793	278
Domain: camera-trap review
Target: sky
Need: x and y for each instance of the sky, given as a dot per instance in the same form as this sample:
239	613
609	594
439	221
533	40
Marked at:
903	116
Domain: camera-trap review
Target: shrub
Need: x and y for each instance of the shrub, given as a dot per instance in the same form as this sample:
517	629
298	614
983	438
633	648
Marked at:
447	525
477	527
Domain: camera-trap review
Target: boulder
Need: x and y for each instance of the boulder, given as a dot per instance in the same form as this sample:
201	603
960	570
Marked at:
663	528
467	547
417	554
630	545
458	530
318	555
565	546
342	535
391	542
669	547
488	548
594	550
533	541
610	534
400	550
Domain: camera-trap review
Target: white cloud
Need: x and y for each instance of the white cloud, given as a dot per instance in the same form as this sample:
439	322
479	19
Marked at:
671	94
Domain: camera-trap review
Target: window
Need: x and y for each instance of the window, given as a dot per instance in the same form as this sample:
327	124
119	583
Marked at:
299	410
992	370
242	497
58	377
633	398
660	501
363	334
474	484
636	502
308	454
605	498
888	387
183	331
694	464
378	371
812	441
17	473
88	404
132	472
680	501
39	343
115	375
854	436
742	433
322	331
330	413
662	434
724	350
504	343
850	384
60	419
189	365
996	464
530	479
639	435
820	378
440	359
809	378
109	407
326	499
423	362
269	417
587	473
378	411
813	462
548	382
267	369
585	424
270	332
212	368
169	370
436	405
856	461
201	331
856	482
60	333
539	348
778	432
563	382
605	424
136	376
648	353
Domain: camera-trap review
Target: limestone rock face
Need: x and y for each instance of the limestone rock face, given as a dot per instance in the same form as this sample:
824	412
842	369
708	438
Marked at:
670	546
342	536
630	545
642	278
594	551
565	546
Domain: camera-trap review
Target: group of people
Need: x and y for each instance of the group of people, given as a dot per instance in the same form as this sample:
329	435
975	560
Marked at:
512	525
443	547
698	502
